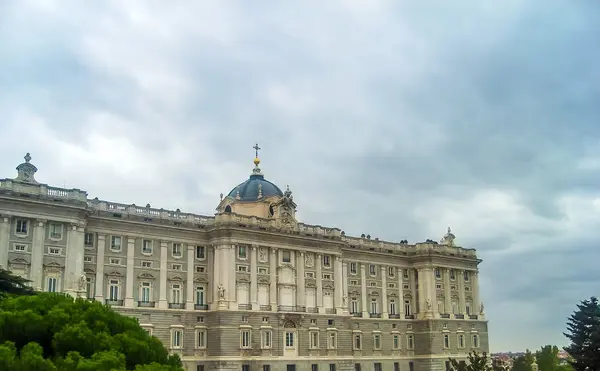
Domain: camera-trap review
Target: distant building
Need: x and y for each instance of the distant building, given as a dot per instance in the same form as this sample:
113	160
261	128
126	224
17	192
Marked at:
249	288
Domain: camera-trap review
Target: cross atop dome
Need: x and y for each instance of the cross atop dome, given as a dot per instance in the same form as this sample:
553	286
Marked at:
256	160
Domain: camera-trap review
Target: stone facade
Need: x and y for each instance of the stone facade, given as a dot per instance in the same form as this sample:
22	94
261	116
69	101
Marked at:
249	288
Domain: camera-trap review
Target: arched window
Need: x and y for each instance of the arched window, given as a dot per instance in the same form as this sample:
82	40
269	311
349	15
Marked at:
228	209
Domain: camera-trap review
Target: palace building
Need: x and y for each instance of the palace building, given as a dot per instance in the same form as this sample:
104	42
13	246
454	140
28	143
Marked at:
250	288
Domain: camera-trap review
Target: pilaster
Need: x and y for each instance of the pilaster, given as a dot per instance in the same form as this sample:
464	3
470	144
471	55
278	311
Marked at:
319	282
273	279
254	278
216	277
300	280
401	293
162	285
447	292
74	259
475	289
37	253
189	284
210	258
130	276
339	284
230	272
384	302
413	290
461	291
363	290
101	246
4	238
344	284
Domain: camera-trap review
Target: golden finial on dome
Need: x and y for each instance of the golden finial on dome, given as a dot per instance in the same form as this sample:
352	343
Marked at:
256	159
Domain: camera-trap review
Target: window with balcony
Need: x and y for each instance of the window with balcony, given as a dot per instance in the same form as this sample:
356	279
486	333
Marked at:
242	252
113	290
407	307
200	253
176	250
289	339
52	284
354	305
55	231
115	243
374	306
392	307
147	247
145	292
200	295
176	294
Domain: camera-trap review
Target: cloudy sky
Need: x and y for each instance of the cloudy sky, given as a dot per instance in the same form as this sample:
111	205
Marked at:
393	118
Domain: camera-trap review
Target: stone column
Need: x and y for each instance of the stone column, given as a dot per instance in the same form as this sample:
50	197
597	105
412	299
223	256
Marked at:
431	291
273	278
400	274
212	278
37	254
130	276
254	277
345	286
162	288
74	260
461	291
230	270
300	283
339	284
319	282
4	238
421	290
216	277
447	292
189	284
384	301
475	289
363	290
413	291
101	246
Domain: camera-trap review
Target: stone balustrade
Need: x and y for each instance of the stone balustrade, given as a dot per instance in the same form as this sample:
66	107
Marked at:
43	190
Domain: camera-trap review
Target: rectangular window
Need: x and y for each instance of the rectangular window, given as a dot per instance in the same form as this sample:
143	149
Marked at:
242	268
357	367
199	367
176	339
446	341
176	249
242	252
372	270
377	366
54	251
267	337
115	243
115	261
357	342
392	306
475	341
20	247
410	340
266	367
396	341
326	261
147	247
392	271
396	366
352	268
201	339
448	366
438	273
332	340
327	276
461	341
146	264
286	257
200	253
452	274
55	231
89	288
377	342
88	239
374	306
245	367
245	339
314	339
411	366
263	270
332	367
309	274
176	267
200	269
467	276
354	306
289	339
87	259
353	283
314	367
405	274
21	227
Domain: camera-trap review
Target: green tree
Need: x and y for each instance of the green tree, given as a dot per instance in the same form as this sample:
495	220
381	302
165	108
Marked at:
583	331
547	359
524	362
13	284
476	362
54	332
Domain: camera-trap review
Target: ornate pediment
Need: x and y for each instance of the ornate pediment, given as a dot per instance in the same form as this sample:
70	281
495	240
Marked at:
392	294
114	274
374	293
287	265
19	261
53	267
311	285
146	276
263	281
243	280
89	271
200	280
354	292
407	296
328	286
176	278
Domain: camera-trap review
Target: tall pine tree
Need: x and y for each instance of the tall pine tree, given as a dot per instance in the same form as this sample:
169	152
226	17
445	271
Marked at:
583	330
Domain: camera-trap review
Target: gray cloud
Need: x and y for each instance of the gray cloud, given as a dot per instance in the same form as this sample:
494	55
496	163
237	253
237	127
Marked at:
388	118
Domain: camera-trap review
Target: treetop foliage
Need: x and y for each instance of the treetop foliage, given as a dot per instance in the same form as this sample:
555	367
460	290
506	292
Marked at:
583	331
54	332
